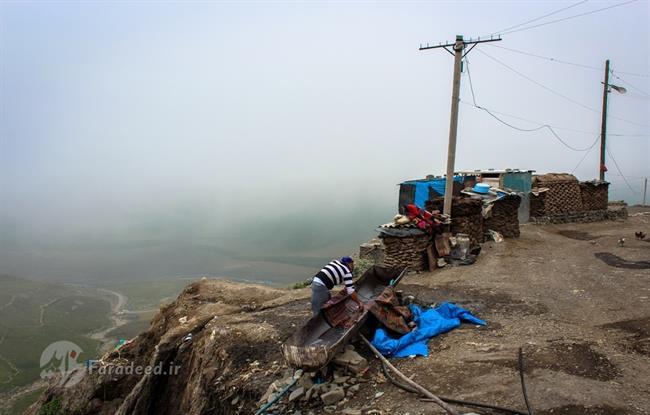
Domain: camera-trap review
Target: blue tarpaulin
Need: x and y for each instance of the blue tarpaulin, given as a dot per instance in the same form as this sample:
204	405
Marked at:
430	322
422	188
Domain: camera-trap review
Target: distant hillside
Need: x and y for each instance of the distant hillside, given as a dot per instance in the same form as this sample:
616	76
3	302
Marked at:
35	314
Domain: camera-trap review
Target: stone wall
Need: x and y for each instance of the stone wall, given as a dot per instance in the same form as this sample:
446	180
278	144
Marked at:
594	195
567	200
504	217
611	213
465	217
409	251
563	195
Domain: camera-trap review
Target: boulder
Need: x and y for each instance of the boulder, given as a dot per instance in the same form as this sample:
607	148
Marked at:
333	396
351	360
296	394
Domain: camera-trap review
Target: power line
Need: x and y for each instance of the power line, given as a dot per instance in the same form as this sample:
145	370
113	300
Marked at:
538	18
620	172
539	84
578	103
533	121
628	177
471	86
548	127
569	17
554	126
564	62
548	58
569	146
586	154
630	85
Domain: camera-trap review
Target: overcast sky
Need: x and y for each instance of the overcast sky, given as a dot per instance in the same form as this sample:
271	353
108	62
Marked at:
114	113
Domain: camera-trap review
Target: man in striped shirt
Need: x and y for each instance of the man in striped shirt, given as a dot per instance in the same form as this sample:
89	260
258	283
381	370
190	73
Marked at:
335	273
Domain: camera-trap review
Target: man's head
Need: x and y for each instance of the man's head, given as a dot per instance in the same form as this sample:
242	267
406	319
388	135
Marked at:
349	262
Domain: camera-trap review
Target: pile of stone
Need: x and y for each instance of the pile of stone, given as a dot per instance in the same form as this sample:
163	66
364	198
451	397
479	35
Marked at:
594	194
407	251
332	396
614	211
373	251
466	216
538	203
563	195
504	216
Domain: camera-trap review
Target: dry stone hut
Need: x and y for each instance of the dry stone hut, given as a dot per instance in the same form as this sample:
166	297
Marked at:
560	198
404	247
466	216
538	203
595	195
563	194
504	216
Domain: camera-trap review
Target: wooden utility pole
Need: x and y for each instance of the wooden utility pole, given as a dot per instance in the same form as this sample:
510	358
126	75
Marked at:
453	125
458	54
603	124
645	189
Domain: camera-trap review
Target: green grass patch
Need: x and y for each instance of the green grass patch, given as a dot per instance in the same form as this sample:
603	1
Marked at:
26	400
132	328
53	407
148	295
361	266
68	313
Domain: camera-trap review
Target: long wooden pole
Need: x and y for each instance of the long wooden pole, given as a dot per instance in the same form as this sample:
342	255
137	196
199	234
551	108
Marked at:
424	392
453	125
603	124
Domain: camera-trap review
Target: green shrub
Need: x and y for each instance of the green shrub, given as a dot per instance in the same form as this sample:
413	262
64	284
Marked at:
53	407
361	266
301	284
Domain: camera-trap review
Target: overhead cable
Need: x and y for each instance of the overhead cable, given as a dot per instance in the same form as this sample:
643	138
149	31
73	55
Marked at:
564	62
561	95
630	85
538	18
548	127
586	154
568	17
619	171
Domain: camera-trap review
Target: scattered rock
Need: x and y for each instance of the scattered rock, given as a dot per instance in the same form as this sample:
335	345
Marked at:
333	396
309	394
379	395
351	361
296	394
305	382
341	379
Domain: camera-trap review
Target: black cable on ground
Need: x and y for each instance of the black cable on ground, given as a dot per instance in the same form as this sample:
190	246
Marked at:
451	400
523	383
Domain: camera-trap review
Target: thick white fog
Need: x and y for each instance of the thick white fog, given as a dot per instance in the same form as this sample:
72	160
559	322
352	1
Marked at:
153	140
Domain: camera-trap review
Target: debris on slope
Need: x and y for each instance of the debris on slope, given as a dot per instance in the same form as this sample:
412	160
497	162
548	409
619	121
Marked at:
224	367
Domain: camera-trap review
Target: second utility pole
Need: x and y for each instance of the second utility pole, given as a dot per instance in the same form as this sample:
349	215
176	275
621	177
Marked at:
603	124
458	47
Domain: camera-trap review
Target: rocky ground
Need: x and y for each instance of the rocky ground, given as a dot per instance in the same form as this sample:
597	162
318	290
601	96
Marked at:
584	327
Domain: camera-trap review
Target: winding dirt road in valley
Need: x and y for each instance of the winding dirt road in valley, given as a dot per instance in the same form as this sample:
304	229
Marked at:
118	302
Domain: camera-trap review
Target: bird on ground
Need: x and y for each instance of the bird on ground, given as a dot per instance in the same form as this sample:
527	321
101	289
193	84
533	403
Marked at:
640	235
621	242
